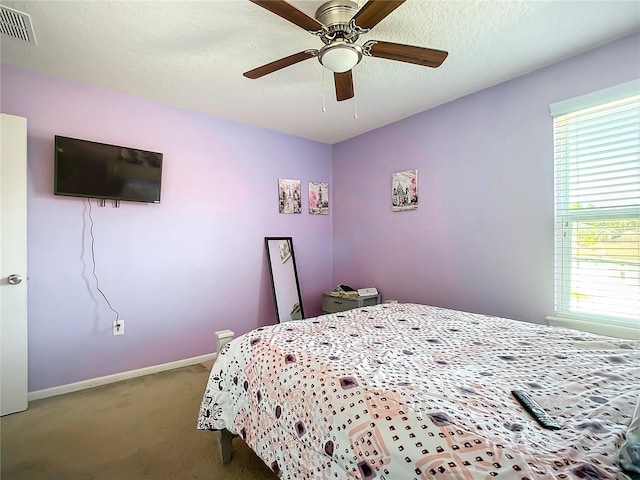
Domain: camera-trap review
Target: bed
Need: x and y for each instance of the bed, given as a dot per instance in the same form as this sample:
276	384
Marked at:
408	391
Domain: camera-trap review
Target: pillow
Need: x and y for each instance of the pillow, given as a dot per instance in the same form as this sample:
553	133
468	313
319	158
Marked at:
630	451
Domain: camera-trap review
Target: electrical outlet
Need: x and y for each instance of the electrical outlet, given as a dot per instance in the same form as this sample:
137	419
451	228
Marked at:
118	327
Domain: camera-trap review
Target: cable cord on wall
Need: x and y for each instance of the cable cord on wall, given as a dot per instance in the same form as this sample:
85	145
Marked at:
93	260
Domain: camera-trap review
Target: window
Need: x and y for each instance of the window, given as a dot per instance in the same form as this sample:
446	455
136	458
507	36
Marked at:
597	210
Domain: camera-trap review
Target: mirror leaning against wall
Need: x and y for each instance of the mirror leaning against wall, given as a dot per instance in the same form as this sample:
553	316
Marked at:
284	279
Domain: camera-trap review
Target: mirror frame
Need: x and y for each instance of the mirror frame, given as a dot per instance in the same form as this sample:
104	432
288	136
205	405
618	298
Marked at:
273	280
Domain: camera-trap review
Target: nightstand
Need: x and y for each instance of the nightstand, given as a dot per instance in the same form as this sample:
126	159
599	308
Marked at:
332	304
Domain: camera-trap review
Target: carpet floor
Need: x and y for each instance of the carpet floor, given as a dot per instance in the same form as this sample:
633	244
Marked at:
141	428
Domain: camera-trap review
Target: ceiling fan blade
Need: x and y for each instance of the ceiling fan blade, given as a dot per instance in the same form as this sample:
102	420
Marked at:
374	11
427	57
290	13
344	85
280	64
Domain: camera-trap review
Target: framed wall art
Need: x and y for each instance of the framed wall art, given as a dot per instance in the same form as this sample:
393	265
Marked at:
404	187
284	247
318	198
289	197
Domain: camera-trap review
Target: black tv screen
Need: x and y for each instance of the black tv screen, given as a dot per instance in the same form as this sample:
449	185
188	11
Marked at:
97	170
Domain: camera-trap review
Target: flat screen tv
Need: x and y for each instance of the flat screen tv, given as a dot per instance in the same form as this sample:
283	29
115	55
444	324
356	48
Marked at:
97	170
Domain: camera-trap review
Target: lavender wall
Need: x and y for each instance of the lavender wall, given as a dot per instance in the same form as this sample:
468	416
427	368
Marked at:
481	240
482	237
176	272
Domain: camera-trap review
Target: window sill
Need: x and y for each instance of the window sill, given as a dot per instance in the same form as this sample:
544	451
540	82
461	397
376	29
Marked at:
595	327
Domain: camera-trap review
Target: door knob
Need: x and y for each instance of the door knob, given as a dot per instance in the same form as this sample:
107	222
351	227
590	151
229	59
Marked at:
14	279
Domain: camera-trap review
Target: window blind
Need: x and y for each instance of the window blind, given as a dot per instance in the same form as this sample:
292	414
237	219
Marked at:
597	210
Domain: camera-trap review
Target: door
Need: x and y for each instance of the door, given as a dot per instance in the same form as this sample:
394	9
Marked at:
13	264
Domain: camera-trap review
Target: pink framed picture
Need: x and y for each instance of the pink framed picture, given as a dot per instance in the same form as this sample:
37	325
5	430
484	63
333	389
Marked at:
318	198
404	187
289	197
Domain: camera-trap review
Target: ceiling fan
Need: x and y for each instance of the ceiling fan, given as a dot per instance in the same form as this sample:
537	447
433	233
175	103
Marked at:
339	24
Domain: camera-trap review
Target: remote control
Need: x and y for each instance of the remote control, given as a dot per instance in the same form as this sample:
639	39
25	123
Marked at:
535	410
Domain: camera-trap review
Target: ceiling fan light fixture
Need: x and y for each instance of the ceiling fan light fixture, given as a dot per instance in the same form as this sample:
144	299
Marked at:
340	56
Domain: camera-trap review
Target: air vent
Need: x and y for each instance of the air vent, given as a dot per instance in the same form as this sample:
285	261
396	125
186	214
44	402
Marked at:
16	25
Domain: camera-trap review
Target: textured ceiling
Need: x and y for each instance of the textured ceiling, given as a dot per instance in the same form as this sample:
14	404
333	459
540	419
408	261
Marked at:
192	54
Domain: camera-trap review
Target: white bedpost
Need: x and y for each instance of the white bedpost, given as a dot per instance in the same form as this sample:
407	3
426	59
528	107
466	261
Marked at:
222	338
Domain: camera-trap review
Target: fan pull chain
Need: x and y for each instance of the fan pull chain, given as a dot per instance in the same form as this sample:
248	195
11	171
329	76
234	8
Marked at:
355	102
355	106
324	92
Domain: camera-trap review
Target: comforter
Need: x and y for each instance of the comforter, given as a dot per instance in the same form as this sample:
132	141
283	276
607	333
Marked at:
407	391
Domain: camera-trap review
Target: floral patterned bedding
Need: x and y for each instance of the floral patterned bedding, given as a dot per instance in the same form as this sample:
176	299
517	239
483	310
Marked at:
407	391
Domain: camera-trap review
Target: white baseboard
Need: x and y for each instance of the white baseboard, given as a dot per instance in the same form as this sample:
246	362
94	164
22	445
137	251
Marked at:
95	382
